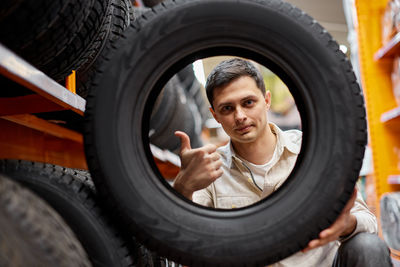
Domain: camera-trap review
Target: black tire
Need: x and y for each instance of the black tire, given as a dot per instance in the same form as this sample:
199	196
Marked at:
138	11
7	7
86	43
174	110
32	233
186	76
71	193
151	3
194	90
302	54
118	19
40	30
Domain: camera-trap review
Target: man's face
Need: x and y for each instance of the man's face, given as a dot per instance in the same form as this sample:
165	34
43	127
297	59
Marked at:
241	109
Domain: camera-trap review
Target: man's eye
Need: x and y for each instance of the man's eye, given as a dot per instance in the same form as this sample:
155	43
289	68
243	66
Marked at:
226	108
249	102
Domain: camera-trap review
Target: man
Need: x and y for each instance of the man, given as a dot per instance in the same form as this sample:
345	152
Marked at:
257	161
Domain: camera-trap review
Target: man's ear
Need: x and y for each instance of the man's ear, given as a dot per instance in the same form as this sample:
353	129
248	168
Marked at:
268	99
213	113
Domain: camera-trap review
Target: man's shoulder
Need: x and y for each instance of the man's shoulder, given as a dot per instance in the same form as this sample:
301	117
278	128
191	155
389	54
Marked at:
291	139
294	136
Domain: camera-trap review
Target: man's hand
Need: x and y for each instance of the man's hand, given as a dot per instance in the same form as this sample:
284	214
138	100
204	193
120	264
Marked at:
199	167
343	226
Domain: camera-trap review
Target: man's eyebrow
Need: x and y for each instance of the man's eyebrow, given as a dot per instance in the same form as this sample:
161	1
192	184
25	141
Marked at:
241	100
224	104
248	97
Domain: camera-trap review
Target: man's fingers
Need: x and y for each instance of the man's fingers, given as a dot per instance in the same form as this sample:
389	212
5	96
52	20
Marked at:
185	141
217	164
216	174
314	243
317	243
215	156
311	245
325	233
329	234
210	148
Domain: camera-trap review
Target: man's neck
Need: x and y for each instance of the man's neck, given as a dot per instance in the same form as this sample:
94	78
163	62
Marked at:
260	151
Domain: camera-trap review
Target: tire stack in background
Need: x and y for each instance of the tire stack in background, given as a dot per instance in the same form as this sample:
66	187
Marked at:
32	233
54	211
60	36
72	195
50	215
180	106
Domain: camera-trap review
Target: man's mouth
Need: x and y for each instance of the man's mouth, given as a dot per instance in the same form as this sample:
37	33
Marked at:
243	129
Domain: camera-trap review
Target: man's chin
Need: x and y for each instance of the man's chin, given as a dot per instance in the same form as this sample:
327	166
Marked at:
244	138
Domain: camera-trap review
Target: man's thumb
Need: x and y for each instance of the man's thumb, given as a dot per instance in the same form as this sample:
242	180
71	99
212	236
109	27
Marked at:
185	141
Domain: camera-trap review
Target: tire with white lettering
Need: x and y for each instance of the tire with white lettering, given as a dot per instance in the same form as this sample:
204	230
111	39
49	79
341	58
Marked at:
32	233
292	45
72	194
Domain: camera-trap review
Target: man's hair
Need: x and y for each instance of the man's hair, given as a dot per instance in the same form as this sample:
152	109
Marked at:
229	70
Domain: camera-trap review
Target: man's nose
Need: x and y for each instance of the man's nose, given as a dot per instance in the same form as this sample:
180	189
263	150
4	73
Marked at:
240	115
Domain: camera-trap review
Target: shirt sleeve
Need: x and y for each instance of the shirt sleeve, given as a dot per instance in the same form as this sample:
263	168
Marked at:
366	220
203	197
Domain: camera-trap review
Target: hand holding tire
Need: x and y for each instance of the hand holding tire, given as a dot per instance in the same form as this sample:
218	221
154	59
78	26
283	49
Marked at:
199	167
343	226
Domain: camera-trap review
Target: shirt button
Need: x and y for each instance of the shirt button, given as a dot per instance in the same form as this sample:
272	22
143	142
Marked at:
249	180
233	207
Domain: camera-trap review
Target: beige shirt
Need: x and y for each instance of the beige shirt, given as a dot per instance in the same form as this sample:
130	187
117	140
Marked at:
236	188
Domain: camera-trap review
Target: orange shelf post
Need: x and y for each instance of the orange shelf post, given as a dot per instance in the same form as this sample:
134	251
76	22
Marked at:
376	62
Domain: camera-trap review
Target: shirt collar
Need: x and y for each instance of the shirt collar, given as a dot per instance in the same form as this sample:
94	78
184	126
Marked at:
289	140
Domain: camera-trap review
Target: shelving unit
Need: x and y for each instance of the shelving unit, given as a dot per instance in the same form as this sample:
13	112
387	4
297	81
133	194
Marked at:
25	136
382	111
389	49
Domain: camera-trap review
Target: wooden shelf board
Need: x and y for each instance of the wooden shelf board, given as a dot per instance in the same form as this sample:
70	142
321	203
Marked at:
391	115
389	49
20	142
44	126
394	179
27	104
20	71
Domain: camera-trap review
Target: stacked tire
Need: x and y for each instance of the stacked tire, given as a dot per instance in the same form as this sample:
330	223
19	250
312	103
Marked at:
175	109
117	19
72	195
32	233
60	36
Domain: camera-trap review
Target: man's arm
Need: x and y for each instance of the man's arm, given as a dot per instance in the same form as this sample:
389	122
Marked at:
344	226
199	167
